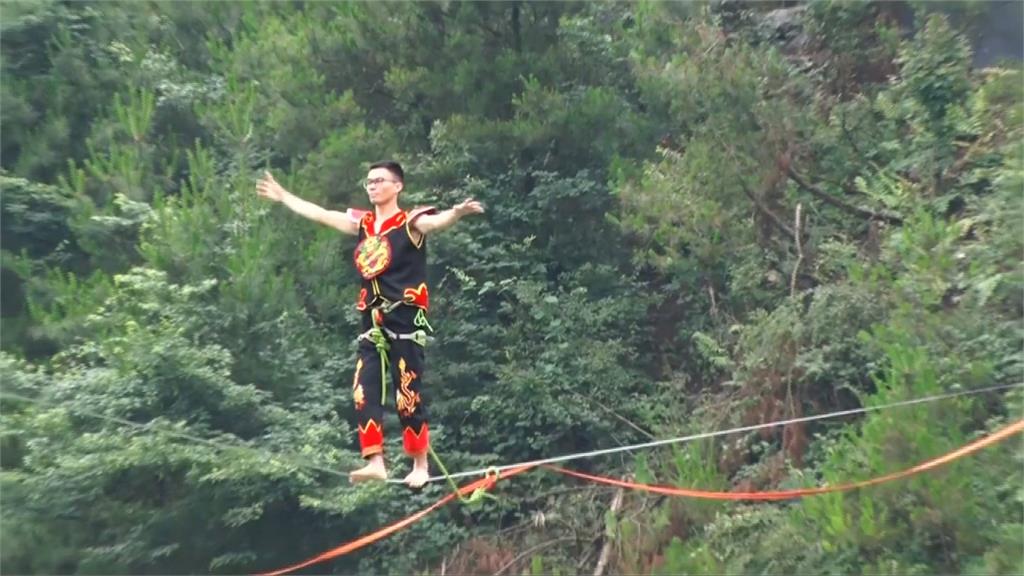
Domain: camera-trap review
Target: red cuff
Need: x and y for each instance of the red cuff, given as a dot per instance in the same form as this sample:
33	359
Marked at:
416	443
371	439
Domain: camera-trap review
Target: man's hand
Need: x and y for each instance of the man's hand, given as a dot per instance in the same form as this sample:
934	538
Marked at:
267	187
467	207
436	222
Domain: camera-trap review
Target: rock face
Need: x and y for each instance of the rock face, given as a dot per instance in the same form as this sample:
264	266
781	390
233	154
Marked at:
997	35
785	22
786	26
1000	35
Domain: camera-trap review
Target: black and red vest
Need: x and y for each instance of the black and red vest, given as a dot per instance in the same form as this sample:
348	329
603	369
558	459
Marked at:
393	267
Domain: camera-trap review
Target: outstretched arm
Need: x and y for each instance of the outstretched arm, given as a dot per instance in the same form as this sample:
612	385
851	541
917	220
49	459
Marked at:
437	222
267	187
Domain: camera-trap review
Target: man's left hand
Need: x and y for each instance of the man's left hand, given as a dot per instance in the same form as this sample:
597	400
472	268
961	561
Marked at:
467	207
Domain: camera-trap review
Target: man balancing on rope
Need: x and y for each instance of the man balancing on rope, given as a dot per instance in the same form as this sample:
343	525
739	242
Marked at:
392	260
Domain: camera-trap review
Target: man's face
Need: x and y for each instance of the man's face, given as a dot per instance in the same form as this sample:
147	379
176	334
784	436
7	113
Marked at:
382	186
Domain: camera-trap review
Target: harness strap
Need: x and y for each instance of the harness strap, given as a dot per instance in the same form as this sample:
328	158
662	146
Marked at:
380	336
420	336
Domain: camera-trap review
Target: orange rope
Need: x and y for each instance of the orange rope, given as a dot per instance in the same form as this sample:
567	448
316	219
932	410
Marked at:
789	494
485	483
489	481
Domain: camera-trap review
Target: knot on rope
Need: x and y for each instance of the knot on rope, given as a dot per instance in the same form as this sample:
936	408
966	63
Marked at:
479	494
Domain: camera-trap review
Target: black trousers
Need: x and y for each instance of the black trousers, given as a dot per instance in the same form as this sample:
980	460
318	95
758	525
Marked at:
399	385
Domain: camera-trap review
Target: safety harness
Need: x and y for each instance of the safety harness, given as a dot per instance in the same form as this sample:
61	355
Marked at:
381	337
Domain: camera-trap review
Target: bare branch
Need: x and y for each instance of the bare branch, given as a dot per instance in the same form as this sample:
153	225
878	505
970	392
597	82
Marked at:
622	418
765	210
753	198
529	551
799	252
606	549
830	199
714	303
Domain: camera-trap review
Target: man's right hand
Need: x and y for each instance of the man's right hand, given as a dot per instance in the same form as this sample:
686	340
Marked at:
267	187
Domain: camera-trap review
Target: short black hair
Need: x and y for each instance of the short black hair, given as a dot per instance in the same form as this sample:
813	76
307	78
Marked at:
393	167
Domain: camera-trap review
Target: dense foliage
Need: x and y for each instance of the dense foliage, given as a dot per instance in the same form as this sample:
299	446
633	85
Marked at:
699	216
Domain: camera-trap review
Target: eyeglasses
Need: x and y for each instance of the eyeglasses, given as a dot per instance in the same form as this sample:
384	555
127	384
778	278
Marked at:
371	181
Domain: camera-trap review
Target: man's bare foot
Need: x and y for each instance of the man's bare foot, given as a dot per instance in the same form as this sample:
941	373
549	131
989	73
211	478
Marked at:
374	470
420	472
